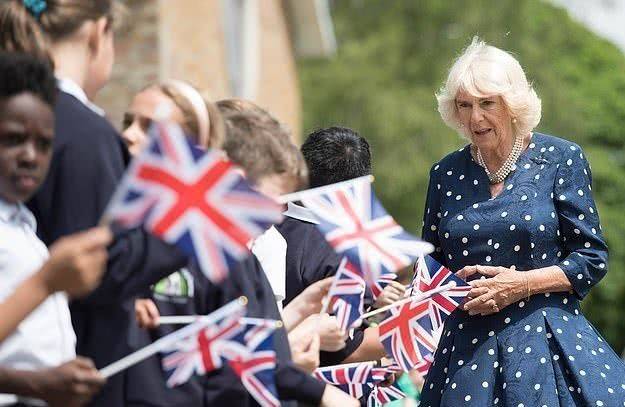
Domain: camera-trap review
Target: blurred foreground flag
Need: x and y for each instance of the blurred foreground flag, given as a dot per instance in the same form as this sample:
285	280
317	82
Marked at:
354	222
205	350
192	198
255	364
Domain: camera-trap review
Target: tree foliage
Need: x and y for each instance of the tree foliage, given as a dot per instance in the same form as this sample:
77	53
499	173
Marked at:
394	55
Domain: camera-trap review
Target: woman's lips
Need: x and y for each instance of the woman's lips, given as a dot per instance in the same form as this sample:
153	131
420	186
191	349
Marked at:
481	132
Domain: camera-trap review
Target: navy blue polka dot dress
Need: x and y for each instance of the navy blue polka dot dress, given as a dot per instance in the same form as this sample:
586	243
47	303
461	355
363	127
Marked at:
539	351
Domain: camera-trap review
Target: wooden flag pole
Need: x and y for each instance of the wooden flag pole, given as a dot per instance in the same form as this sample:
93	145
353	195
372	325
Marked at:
419	297
296	196
169	340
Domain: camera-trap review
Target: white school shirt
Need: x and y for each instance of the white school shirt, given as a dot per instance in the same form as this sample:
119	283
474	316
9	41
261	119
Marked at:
45	338
70	87
270	250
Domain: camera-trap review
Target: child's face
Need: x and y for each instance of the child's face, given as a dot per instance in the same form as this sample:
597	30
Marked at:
26	134
275	185
142	112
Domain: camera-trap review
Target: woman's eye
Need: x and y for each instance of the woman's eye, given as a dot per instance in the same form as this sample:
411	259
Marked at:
487	103
464	105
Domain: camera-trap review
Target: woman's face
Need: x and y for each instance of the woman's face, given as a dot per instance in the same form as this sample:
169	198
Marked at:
485	120
142	112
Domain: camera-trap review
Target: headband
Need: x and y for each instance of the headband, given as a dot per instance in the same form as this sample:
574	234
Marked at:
199	108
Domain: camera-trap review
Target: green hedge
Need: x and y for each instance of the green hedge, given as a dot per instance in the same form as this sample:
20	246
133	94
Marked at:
393	56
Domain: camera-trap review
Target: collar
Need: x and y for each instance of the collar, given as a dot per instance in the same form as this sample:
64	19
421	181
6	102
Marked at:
16	213
301	213
69	86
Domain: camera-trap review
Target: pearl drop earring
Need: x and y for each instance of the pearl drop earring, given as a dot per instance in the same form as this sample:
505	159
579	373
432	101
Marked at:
514	120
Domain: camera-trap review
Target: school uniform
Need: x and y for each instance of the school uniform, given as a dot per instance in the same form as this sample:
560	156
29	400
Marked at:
189	292
88	161
44	338
310	258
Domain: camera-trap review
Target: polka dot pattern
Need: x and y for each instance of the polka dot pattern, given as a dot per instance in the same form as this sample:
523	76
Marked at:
541	351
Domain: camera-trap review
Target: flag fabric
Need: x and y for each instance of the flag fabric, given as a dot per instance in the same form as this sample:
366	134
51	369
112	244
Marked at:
257	363
407	333
194	199
381	395
430	274
350	373
424	365
346	295
202	352
355	379
354	222
378	285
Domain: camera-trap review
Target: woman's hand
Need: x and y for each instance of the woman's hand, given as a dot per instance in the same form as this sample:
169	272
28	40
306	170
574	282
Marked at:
503	287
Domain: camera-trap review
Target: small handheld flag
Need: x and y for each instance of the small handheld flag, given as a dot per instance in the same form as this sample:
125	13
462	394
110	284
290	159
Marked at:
204	351
192	198
346	295
257	363
429	275
354	222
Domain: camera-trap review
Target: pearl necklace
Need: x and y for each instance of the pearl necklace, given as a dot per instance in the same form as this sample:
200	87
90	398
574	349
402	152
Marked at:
508	165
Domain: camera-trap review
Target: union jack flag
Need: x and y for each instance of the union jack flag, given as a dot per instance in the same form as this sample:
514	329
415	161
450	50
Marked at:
381	395
203	352
256	365
407	333
194	199
378	285
430	274
354	222
355	379
346	295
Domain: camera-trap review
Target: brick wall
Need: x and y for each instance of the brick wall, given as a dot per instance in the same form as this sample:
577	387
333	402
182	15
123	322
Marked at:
183	39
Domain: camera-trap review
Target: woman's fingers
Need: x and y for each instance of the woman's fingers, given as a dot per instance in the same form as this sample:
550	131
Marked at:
477	291
490	271
478	302
466	272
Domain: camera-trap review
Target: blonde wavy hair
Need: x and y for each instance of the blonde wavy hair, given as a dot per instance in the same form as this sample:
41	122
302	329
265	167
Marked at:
483	71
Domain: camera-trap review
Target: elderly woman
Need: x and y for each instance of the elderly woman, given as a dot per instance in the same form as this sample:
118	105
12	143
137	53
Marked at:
513	212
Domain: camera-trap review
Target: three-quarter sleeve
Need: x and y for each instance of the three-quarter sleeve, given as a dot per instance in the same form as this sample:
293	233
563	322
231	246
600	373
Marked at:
432	215
584	260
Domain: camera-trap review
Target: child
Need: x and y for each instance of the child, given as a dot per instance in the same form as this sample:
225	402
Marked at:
88	161
38	360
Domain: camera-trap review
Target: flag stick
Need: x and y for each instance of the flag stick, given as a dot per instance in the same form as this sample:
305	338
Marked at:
419	297
171	339
296	196
374	363
189	319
